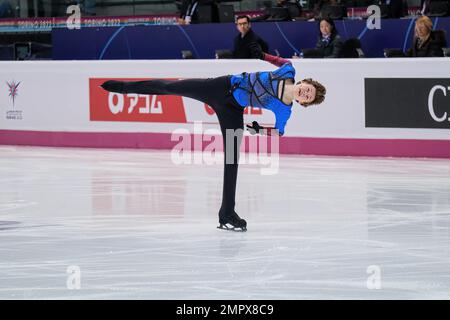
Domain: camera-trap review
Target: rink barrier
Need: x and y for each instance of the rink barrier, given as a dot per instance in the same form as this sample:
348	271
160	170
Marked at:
288	145
374	107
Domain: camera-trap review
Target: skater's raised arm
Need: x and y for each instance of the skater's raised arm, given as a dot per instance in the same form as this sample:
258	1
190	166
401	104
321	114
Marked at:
277	61
257	52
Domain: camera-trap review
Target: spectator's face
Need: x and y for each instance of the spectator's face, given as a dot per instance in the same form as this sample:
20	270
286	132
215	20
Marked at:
325	28
243	25
422	30
304	93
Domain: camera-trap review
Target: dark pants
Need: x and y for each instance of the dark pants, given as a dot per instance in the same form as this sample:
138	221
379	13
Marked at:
216	92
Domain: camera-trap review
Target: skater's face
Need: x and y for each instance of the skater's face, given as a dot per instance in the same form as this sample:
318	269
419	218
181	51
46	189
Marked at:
304	93
243	25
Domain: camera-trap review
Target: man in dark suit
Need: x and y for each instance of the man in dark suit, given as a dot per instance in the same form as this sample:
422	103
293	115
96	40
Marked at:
244	40
425	6
188	12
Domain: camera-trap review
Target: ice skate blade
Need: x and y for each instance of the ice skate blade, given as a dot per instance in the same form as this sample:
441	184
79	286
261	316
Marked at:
229	227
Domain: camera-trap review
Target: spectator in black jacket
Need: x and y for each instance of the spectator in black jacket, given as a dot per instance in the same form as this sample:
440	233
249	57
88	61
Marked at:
294	7
425	6
329	42
188	12
243	41
426	42
319	5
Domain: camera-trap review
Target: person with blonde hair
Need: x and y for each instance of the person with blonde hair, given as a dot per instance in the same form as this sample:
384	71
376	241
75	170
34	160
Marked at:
426	42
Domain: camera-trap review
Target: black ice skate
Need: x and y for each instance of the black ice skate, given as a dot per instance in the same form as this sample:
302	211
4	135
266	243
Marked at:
113	86
232	222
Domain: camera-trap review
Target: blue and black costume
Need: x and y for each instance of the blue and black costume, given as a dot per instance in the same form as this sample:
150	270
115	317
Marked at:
228	96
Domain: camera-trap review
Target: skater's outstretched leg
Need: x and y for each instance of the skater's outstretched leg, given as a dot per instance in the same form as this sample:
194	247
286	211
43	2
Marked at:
208	90
215	92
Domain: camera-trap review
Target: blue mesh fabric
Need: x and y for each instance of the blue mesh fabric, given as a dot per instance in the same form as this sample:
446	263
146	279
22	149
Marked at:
259	90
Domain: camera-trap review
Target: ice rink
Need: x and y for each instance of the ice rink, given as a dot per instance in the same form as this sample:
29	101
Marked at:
130	224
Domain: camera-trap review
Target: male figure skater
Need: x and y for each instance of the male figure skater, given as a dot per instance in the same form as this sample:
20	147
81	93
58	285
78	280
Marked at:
228	96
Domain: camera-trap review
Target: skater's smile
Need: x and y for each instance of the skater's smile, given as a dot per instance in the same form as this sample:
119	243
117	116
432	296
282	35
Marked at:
304	93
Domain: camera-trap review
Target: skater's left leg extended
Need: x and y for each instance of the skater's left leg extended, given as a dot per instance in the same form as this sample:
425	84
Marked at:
217	93
208	90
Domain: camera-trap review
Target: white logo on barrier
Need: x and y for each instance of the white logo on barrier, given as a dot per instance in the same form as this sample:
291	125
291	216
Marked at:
374	18
431	105
74	20
74	278
374	280
151	105
13	89
257	147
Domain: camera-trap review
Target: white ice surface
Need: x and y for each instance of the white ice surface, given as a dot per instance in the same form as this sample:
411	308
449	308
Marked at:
140	227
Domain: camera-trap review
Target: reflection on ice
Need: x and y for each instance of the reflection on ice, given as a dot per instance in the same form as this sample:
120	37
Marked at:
138	226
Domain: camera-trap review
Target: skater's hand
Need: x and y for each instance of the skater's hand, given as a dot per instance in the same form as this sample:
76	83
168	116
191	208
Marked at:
254	128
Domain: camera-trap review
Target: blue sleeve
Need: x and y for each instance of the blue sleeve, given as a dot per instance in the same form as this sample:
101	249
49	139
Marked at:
282	116
285	72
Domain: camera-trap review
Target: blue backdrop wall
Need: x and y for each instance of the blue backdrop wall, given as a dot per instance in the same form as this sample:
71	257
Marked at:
167	42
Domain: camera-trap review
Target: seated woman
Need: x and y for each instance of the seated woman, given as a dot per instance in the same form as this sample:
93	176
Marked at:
329	43
426	42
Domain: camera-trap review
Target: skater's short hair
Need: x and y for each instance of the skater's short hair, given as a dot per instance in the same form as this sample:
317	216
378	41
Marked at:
320	91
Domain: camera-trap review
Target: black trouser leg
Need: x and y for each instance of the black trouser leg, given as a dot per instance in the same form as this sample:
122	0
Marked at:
216	93
231	124
204	90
